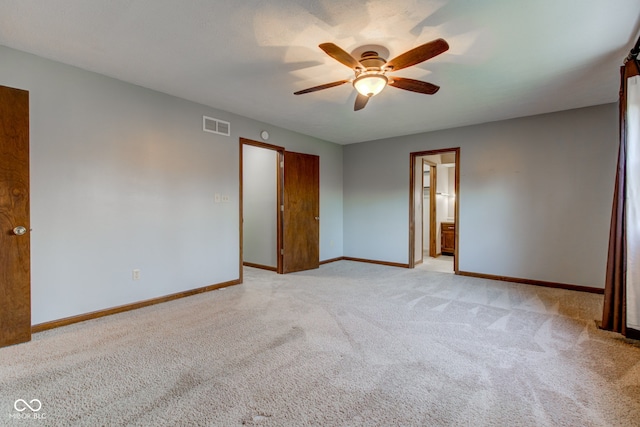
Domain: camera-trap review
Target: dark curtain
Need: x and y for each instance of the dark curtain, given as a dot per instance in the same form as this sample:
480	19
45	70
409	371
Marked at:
614	316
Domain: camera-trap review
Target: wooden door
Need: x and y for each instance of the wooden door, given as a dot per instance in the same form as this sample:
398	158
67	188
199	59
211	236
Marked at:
301	219
15	280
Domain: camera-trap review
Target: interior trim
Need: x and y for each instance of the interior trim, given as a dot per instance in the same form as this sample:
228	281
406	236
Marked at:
433	174
533	282
128	307
327	261
371	261
633	334
263	267
261	144
279	195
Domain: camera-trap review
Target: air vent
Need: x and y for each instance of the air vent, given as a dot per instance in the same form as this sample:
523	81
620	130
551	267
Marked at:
209	124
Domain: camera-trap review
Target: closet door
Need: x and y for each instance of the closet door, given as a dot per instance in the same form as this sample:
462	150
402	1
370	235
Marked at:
15	279
301	216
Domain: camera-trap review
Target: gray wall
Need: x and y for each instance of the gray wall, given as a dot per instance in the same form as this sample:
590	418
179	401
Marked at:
535	195
124	178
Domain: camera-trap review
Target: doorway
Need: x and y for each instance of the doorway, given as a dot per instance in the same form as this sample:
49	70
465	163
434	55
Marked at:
261	178
434	209
279	208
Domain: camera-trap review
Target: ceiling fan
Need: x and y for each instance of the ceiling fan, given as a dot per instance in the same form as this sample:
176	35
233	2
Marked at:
370	71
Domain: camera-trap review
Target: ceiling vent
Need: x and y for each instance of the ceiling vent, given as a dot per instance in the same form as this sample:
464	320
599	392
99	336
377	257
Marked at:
209	124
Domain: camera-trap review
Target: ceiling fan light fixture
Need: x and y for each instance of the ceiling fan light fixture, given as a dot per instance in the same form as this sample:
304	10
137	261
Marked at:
370	84
370	69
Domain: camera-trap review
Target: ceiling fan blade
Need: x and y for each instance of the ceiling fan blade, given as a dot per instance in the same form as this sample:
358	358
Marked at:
418	54
324	86
361	101
414	85
341	56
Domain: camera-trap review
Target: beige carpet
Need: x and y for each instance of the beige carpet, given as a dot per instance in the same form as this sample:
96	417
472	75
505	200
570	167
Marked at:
350	344
442	264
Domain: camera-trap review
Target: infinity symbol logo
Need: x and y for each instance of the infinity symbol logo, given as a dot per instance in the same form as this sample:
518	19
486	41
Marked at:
37	405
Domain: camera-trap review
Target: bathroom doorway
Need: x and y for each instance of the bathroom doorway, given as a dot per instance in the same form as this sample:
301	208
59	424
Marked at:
434	200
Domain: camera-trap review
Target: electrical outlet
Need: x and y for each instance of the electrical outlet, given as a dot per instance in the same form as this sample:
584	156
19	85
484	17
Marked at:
225	198
136	274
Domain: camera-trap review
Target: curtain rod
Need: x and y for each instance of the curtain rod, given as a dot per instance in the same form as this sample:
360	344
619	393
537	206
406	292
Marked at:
633	55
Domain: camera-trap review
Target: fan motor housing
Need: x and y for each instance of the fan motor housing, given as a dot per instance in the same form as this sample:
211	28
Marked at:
372	61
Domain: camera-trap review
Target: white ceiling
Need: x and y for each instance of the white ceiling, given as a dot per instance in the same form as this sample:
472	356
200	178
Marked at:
508	58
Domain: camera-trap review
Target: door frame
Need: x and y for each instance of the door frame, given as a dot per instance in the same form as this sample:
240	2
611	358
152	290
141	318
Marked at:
412	220
279	200
432	210
432	207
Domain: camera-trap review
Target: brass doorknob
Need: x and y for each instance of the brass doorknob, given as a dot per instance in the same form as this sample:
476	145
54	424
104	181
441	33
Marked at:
19	230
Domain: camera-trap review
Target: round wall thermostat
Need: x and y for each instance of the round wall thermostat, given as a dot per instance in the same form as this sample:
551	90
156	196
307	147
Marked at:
264	135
